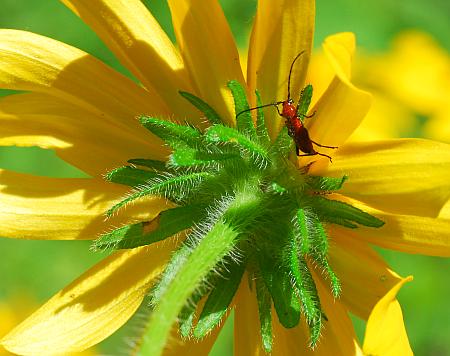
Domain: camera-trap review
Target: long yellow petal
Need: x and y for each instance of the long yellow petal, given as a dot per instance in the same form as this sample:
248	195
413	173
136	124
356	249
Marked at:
406	233
92	307
208	50
35	63
247	336
64	209
338	333
290	341
136	38
342	106
385	331
80	137
377	124
338	336
320	74
363	286
406	176
282	29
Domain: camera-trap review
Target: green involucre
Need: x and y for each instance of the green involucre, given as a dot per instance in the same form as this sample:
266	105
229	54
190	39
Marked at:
247	210
220	298
167	224
305	101
262	133
244	121
211	114
130	176
265	313
154	165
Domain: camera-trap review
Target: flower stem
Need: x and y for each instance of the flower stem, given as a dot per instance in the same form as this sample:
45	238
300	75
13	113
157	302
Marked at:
216	244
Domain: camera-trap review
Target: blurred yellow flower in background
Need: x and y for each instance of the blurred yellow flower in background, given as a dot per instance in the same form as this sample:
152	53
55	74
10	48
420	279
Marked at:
411	85
415	72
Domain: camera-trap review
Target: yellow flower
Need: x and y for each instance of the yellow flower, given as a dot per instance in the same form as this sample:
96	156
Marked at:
86	112
410	80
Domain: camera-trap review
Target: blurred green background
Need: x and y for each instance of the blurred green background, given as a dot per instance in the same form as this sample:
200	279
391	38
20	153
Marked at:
32	271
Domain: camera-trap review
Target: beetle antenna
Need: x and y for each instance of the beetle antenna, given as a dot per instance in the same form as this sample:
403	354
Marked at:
258	107
290	72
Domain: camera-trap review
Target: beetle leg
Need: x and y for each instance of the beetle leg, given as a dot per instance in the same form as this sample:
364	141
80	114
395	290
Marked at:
278	109
316	153
318	144
308	116
324	155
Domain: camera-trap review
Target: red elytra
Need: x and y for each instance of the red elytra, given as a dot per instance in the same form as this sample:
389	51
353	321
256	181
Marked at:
296	130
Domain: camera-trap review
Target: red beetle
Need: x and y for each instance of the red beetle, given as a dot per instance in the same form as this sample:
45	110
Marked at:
294	115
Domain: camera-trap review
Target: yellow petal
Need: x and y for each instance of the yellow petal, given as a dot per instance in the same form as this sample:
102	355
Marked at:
377	125
93	306
320	74
363	286
290	341
64	209
247	336
412	234
385	332
35	63
282	29
406	176
136	38
208	50
406	233
80	137
339	49
445	211
338	336
342	106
